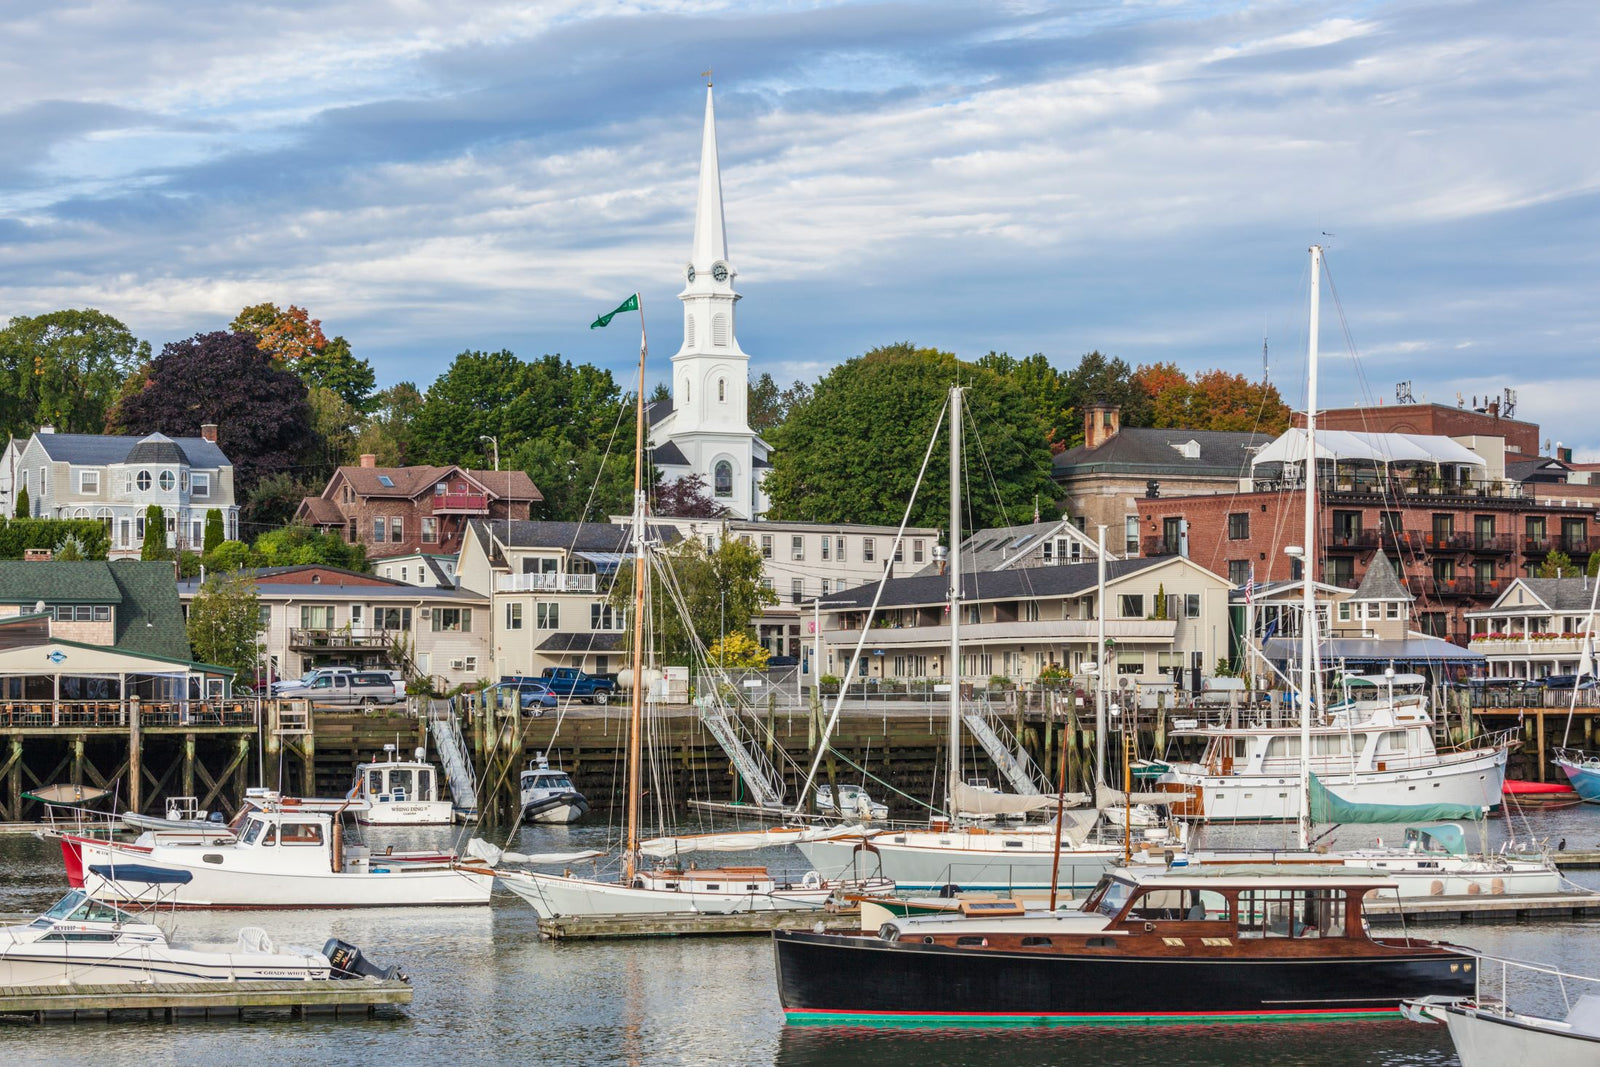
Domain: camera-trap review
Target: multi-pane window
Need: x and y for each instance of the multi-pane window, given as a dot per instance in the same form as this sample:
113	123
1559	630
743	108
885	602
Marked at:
797	547
199	484
88	482
605	617
316	616
514	615
868	549
1239	526
766	546
1130	534
838	548
547	615
916	552
1291	913
380	526
391	618
1238	571
797	589
430	530
899	552
397	529
452	620
827	546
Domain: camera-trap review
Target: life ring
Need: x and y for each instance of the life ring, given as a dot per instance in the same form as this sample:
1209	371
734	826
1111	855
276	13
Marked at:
812	880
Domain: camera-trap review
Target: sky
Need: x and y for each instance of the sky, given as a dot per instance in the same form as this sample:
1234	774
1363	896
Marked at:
1141	178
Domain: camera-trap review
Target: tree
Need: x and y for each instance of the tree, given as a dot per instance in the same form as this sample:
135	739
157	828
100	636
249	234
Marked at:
721	588
738	651
1213	400
24	505
336	368
686	498
225	622
1045	389
17	536
387	432
63	369
1556	565
155	534
296	341
70	550
297	545
852	451
274	501
263	419
578	483
764	404
1100	379
214	532
336	425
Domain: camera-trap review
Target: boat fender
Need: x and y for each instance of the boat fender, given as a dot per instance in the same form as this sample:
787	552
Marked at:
812	880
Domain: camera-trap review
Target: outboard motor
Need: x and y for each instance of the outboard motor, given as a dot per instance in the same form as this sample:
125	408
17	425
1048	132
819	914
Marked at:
348	962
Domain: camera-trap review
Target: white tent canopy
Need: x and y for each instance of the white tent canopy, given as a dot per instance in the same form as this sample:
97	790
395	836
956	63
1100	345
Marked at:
1290	447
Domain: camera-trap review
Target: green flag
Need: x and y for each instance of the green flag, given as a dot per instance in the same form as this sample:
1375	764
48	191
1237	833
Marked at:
630	304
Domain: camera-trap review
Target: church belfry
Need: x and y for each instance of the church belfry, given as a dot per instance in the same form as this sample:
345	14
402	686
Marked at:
707	430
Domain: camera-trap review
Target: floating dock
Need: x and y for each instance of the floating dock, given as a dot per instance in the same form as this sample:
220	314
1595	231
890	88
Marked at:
596	927
1483	908
201	1000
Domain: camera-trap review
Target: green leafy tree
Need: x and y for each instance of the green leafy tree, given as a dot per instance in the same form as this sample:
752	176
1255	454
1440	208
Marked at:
337	426
64	369
738	651
214	532
387	432
298	544
721	588
155	534
17	536
1046	390
225	622
230	556
1557	565
24	505
1101	379
852	451
274	500
336	368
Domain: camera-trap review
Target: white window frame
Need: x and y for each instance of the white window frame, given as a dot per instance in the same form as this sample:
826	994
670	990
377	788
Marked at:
200	485
84	486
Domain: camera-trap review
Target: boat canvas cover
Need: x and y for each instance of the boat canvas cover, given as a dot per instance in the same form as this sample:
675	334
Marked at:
971	801
1327	808
667	847
140	872
1446	836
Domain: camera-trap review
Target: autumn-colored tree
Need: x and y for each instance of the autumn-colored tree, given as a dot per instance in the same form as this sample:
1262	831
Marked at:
1212	400
287	335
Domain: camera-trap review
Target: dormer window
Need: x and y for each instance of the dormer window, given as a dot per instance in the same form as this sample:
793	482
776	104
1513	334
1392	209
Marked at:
200	485
142	480
1189	449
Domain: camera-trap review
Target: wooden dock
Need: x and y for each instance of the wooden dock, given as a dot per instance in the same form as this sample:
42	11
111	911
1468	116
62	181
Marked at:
599	927
201	1000
1466	909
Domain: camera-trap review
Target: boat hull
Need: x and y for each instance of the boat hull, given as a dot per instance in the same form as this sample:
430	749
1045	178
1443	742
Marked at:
553	896
1585	779
408	813
912	867
1484	1039
380	882
24	965
1477	781
557	809
911	983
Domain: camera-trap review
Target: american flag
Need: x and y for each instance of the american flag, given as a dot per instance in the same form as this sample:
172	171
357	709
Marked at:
1250	585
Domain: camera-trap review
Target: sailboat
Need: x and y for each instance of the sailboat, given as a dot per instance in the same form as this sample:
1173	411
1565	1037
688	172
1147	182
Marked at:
1062	853
1581	767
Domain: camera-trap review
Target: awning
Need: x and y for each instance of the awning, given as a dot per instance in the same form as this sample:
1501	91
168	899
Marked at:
1372	447
1414	649
604	562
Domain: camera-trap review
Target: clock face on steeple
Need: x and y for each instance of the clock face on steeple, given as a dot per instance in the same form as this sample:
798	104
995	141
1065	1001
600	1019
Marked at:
719	271
688	273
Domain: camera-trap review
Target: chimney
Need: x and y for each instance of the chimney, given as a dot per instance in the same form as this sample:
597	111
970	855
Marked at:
208	431
37	555
369	460
47	428
1101	423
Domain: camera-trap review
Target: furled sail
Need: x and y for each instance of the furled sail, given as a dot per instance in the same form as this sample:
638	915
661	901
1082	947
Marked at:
666	847
493	855
972	801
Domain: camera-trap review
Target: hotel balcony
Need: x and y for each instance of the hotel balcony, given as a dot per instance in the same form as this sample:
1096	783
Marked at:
344	639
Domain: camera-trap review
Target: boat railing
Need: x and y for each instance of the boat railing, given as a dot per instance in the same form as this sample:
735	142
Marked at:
1499	979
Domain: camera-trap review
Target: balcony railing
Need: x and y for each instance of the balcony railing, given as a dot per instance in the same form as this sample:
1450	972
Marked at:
1159	546
548	582
344	639
473	503
1350	539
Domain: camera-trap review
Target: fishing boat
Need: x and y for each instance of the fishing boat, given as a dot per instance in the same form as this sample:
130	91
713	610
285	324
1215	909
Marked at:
1146	946
400	792
83	941
1488	1032
285	856
548	795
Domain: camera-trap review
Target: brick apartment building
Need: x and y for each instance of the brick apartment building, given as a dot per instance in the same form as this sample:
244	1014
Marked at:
402	511
1456	542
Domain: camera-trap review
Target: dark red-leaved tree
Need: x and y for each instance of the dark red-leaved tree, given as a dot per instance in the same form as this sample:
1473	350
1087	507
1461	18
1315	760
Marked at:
686	498
263	420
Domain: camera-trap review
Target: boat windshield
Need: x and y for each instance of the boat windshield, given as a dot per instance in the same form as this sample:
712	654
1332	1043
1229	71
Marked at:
1108	897
78	906
252	831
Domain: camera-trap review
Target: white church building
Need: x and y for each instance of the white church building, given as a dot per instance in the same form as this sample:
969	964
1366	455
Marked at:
704	428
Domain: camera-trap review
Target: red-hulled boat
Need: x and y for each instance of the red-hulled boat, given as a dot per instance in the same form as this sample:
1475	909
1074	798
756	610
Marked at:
1145	947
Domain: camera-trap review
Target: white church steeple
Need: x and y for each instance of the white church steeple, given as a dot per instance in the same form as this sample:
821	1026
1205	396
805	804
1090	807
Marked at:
707	431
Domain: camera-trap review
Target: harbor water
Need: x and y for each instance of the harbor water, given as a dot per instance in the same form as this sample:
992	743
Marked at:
489	991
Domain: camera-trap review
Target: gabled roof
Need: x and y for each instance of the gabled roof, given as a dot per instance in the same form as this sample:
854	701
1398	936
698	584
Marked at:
581	642
668	454
98	450
995	548
574	536
1380	582
143	594
1545	468
657	410
1153	453
1557	594
407	483
319	511
1026	582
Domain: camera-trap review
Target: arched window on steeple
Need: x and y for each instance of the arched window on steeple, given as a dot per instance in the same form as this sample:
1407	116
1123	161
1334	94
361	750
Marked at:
722	390
686	390
722	478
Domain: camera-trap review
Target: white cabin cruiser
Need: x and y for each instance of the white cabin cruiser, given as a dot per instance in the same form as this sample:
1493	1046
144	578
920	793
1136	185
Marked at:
1488	1032
1376	746
400	792
548	795
183	813
83	941
285	856
854	803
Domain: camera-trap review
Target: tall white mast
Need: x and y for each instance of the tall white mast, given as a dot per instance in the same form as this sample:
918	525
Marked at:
1308	560
1100	666
953	763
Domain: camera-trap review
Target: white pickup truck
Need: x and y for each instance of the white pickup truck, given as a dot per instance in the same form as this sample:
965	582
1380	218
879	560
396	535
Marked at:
364	689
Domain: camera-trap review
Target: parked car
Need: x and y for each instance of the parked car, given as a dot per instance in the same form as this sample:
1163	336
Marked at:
1568	681
305	681
572	683
533	696
366	689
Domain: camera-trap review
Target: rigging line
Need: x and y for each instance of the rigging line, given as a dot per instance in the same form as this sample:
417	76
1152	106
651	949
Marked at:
969	418
877	595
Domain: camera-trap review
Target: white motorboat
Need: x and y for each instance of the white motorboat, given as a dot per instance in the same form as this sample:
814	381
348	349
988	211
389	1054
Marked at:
1377	746
399	792
1487	1032
84	941
183	813
854	803
673	890
285	856
548	795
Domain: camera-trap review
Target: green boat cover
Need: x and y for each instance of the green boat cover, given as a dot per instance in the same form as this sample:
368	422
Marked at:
1327	807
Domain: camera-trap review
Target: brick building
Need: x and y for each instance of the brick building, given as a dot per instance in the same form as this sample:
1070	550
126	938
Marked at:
1439	420
402	511
1455	541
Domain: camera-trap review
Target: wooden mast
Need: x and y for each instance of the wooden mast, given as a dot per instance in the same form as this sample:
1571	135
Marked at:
636	708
